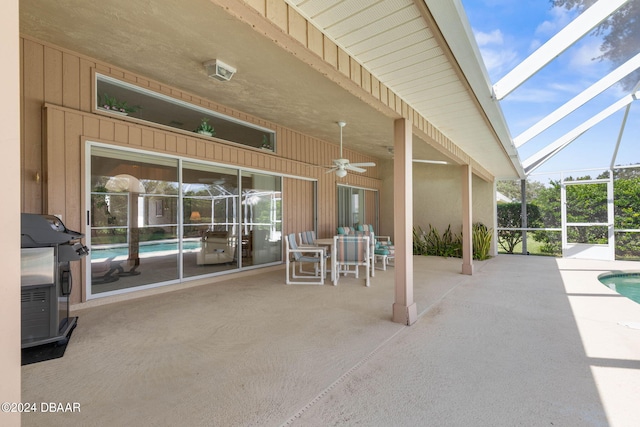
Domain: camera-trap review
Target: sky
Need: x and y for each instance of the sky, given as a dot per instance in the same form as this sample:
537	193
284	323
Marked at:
507	31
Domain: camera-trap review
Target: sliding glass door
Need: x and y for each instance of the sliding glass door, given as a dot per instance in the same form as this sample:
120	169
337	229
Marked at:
210	218
261	213
357	206
133	220
156	220
350	206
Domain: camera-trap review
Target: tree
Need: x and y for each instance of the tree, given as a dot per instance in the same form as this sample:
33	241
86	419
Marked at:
587	203
548	201
510	216
512	189
627	216
620	31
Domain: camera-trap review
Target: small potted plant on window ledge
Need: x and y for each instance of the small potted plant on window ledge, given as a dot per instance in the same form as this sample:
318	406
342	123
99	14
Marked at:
266	144
111	104
205	128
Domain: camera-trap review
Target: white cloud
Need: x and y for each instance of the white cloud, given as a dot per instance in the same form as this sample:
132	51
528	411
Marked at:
560	17
498	61
583	56
535	43
493	38
535	96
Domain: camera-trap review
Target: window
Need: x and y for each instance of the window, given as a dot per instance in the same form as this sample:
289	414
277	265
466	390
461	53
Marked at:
120	98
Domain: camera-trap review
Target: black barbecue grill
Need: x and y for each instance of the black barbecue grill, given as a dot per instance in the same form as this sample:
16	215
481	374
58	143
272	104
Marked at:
48	247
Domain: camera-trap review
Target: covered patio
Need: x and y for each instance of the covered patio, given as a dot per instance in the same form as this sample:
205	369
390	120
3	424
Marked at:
524	341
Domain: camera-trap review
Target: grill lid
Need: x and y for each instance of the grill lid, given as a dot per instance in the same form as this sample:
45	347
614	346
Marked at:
44	230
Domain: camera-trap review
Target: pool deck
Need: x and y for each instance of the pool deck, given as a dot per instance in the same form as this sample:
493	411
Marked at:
526	340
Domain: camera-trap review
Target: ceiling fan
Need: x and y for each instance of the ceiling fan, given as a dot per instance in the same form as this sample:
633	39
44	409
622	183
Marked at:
342	165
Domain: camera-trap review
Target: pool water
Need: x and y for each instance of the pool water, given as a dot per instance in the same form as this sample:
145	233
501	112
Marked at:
145	249
626	284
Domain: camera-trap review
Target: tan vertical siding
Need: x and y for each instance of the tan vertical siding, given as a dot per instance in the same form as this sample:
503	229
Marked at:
57	91
33	99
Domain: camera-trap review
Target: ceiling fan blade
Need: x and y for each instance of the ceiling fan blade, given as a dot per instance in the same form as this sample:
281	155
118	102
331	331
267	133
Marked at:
366	164
332	170
354	168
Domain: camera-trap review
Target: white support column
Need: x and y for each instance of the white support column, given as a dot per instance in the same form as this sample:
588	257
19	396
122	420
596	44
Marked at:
10	334
404	309
467	218
494	239
611	235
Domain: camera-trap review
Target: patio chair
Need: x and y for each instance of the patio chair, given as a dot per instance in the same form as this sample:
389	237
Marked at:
350	251
307	238
372	247
314	255
384	249
345	230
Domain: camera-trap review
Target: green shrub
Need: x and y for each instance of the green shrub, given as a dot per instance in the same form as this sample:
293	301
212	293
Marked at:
481	241
432	243
449	244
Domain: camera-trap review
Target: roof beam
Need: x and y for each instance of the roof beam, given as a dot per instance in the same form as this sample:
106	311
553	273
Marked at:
622	127
555	147
624	124
555	46
579	100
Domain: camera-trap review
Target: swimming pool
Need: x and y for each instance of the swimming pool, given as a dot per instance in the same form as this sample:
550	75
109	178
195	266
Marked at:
625	283
145	249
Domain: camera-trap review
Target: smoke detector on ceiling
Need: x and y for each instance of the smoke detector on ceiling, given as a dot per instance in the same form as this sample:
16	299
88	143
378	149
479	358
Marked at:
219	70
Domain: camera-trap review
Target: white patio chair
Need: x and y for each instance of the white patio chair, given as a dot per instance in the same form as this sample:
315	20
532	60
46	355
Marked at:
348	251
314	255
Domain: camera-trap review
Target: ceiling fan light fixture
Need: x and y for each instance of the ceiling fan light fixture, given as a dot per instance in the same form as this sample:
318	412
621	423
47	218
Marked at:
341	165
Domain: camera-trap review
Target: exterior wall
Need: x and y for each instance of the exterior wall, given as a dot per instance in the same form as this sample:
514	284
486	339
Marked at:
437	197
10	334
484	208
58	117
437	192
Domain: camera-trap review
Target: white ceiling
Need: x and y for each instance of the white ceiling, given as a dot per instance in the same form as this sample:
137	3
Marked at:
168	41
393	40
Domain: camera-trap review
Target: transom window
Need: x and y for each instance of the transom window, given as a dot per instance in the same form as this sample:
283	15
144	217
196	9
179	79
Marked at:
120	98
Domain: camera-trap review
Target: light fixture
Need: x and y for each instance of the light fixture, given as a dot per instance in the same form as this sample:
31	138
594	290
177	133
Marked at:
431	162
219	70
341	173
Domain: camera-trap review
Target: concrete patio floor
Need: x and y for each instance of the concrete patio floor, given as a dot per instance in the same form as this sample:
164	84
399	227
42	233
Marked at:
526	341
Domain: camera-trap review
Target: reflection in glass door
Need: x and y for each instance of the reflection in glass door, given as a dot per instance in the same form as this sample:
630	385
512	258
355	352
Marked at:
133	221
157	220
210	217
261	213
